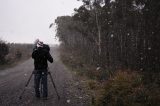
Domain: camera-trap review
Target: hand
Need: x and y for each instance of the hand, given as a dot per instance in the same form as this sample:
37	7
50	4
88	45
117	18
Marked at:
34	49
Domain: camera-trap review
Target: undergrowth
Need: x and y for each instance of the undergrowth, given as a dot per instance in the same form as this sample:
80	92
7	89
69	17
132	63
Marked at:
17	54
123	88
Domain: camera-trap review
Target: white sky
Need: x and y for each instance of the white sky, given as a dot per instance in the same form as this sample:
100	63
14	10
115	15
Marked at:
23	21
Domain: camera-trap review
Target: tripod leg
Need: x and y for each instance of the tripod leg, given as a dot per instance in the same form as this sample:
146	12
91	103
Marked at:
54	85
20	97
41	86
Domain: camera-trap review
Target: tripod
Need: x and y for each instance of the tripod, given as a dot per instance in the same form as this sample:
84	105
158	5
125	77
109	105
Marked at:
49	73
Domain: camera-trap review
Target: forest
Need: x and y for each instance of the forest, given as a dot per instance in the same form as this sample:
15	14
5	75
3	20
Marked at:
116	44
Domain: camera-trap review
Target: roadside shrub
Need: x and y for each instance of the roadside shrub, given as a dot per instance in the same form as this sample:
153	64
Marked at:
19	51
124	89
18	54
93	84
4	50
13	53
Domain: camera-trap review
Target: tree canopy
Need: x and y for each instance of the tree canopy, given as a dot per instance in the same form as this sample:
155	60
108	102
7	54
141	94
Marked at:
115	33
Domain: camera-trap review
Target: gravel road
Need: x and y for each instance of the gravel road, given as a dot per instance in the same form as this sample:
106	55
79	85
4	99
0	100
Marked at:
12	82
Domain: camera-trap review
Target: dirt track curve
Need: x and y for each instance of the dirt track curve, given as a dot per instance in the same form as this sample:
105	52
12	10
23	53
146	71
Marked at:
12	82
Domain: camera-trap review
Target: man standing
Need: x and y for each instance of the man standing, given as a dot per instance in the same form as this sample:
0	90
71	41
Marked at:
41	56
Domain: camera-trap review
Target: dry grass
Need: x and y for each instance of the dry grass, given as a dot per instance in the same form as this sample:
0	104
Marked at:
123	88
126	88
17	53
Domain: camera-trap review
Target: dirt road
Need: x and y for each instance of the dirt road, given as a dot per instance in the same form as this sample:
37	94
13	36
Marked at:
12	82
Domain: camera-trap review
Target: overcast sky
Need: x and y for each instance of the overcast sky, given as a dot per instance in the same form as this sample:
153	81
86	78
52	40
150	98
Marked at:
23	21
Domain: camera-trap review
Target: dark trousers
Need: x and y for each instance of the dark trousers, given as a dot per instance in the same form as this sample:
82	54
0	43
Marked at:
40	76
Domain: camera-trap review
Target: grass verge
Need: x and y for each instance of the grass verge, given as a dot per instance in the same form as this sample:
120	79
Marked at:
123	88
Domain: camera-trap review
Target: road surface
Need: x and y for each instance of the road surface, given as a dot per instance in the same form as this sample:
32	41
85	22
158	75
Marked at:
12	82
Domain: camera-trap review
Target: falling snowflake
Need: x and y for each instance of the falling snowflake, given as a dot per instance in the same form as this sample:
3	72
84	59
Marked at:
102	4
112	35
141	69
138	7
80	97
112	1
98	68
68	101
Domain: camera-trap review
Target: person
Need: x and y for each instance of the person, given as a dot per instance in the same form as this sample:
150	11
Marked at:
41	56
45	46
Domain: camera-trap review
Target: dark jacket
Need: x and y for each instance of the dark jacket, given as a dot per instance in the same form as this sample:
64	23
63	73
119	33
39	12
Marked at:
40	56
